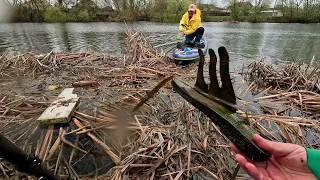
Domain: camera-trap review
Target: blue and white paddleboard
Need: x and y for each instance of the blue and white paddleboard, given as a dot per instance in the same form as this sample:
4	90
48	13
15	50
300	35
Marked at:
188	54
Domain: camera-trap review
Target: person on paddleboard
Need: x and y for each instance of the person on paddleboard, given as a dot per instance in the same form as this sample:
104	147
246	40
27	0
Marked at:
190	26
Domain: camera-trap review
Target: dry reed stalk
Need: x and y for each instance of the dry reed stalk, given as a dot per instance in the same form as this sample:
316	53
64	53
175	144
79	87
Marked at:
99	143
65	141
73	150
58	159
55	145
46	145
94	118
308	101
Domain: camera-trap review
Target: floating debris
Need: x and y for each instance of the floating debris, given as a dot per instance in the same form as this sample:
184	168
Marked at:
61	110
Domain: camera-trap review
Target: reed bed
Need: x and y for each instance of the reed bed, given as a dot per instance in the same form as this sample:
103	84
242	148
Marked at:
288	101
293	76
139	64
166	138
294	85
16	110
67	154
140	146
178	143
33	64
307	101
140	51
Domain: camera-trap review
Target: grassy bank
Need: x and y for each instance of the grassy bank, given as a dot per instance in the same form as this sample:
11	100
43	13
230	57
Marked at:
216	18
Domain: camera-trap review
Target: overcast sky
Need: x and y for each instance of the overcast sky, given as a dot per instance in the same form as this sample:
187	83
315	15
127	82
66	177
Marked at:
219	3
4	11
224	3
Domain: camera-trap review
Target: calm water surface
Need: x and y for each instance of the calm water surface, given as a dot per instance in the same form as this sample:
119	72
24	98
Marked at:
246	42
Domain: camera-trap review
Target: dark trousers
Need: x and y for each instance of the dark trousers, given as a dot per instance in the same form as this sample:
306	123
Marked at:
198	34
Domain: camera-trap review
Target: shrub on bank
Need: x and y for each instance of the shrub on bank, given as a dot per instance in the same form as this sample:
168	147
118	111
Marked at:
58	14
55	14
216	18
25	14
80	15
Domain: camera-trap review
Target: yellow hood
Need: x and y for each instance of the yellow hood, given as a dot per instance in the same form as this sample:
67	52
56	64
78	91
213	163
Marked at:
193	24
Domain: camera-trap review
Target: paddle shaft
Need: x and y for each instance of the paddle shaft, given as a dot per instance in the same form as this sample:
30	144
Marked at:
169	43
25	162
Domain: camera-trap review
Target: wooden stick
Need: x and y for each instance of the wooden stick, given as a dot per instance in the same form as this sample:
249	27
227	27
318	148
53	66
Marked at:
101	144
55	144
94	118
63	139
49	143
189	160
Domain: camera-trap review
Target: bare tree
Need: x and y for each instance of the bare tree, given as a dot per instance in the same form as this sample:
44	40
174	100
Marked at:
13	2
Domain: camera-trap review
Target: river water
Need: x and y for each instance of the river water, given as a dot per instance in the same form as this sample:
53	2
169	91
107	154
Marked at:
245	42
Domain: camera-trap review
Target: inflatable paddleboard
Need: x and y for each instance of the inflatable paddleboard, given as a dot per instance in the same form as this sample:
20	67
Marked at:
189	54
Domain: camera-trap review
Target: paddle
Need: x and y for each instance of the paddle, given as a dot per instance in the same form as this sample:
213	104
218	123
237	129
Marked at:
179	37
169	43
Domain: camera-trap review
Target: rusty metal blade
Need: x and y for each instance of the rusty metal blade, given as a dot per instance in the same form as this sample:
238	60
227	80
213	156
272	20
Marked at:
230	106
214	88
200	83
228	92
230	123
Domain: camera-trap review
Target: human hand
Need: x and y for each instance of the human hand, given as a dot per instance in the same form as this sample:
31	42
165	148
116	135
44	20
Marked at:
180	35
288	161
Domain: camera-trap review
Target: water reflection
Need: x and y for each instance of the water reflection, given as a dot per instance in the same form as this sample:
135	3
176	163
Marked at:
243	41
246	42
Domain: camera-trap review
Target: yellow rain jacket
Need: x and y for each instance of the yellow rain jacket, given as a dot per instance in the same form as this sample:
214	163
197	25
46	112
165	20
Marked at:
193	24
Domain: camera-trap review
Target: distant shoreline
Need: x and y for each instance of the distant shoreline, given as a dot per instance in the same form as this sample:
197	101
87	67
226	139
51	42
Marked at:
257	20
247	20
